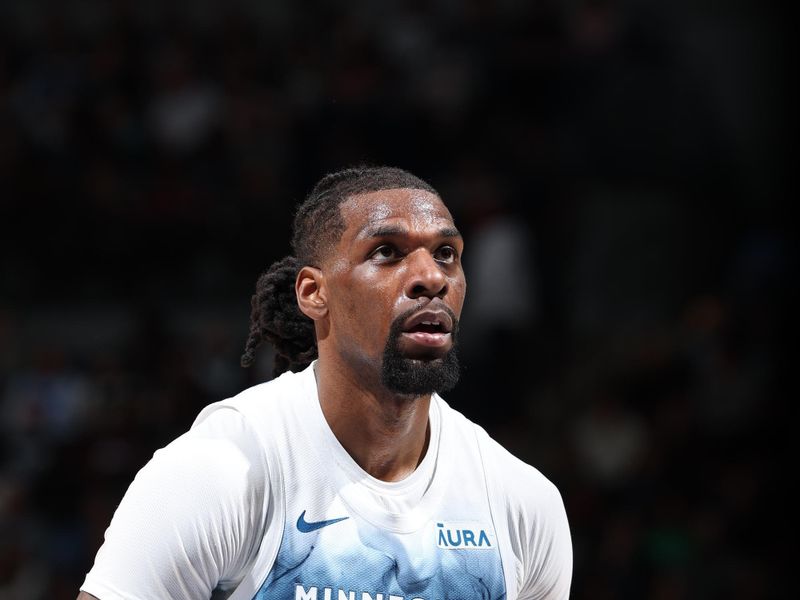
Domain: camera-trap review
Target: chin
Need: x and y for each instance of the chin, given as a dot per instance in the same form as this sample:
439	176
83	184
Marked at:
419	376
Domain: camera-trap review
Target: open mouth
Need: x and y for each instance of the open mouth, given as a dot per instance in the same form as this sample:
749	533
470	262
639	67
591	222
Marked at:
430	329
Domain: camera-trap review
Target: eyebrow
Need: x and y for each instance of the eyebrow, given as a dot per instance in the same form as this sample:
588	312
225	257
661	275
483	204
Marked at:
395	230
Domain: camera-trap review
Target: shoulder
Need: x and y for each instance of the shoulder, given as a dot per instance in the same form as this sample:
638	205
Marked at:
220	468
532	509
529	515
187	521
192	517
229	442
214	470
523	484
519	482
266	401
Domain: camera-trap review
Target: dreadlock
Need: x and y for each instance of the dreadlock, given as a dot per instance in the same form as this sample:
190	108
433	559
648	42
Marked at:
318	225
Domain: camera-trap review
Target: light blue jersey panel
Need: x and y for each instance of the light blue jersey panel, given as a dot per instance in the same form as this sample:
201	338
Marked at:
349	559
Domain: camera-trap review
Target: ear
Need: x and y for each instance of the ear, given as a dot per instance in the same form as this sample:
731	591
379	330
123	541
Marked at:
309	287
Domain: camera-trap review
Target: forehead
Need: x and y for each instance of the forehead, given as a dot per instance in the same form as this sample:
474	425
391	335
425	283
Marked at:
412	207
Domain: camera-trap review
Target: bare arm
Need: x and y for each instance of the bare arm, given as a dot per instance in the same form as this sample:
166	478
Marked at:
85	596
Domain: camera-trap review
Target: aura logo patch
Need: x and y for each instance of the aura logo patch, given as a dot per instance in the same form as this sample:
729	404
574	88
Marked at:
463	536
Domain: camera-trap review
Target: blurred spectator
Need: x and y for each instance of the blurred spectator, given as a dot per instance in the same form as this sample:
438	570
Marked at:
609	441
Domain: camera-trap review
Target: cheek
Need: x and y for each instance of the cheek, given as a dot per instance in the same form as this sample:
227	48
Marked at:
459	291
366	303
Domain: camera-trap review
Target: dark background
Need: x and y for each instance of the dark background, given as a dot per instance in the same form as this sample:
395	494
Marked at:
618	169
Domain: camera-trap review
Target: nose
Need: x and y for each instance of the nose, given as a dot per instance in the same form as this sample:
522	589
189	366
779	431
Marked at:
426	278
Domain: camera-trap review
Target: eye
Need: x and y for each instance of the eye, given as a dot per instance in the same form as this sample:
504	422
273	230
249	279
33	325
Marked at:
446	254
385	253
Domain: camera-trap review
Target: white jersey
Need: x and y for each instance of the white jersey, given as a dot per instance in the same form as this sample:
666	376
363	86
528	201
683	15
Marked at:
260	501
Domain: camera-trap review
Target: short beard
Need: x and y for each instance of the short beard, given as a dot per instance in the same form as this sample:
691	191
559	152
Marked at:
418	377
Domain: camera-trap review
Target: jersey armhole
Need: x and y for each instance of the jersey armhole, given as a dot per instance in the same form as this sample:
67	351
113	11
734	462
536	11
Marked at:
494	491
273	519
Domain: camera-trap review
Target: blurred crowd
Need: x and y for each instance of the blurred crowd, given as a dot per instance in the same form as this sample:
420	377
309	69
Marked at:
616	168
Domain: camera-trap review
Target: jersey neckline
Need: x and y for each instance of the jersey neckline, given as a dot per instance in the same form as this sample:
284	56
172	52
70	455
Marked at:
400	506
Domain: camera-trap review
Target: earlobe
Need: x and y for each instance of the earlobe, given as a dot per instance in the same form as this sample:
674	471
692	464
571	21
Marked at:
310	290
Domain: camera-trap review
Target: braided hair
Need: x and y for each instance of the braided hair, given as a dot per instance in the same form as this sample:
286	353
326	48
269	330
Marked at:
318	225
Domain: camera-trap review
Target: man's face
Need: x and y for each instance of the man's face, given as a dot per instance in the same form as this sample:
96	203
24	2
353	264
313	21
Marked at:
396	289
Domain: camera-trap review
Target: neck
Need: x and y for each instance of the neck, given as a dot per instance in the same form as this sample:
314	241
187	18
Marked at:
386	434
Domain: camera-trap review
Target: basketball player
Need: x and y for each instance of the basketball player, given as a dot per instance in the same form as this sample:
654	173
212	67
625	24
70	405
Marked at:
347	477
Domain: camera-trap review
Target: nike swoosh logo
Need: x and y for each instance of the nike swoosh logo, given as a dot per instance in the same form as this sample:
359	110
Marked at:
305	527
